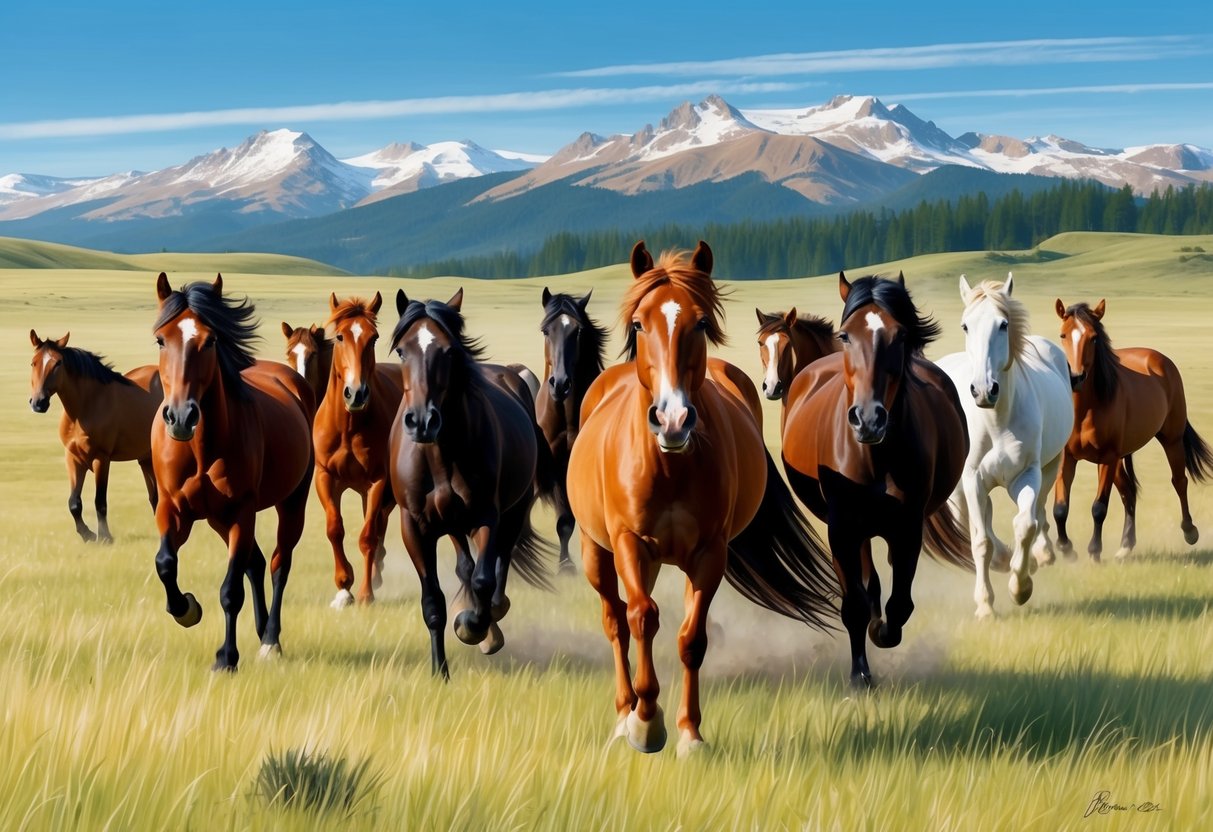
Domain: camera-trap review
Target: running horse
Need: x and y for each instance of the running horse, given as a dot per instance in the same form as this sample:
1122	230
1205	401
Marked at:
787	343
350	439
465	460
1122	399
670	468
106	418
573	357
874	442
310	352
234	437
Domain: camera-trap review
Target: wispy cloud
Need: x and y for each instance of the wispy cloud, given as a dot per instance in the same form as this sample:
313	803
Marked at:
1035	91
367	110
934	56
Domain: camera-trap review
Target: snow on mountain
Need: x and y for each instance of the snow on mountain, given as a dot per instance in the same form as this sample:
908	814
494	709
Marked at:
403	168
16	187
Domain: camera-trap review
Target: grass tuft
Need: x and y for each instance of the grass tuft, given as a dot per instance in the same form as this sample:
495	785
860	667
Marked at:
314	782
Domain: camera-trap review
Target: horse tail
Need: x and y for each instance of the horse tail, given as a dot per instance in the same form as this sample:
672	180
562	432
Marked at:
546	472
531	554
946	540
1198	458
779	562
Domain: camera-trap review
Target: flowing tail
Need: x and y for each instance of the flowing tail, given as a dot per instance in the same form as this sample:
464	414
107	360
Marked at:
944	539
531	555
779	562
1198	458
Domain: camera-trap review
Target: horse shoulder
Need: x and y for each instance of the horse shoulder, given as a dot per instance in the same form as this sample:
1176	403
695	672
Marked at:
281	382
738	386
610	383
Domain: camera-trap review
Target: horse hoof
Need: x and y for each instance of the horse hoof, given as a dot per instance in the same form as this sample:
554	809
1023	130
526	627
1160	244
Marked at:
269	652
493	642
1067	548
882	635
221	666
646	737
343	599
498	611
1021	588
105	540
1191	535
192	614
566	567
985	612
1124	552
690	745
465	631
88	537
861	681
366	600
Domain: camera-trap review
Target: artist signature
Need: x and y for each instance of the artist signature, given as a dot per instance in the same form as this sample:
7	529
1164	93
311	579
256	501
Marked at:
1102	804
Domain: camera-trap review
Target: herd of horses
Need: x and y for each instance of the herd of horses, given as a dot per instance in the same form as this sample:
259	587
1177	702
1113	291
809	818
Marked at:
659	459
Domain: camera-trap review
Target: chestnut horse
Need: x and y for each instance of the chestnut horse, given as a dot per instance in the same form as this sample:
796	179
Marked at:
670	468
310	352
1122	399
234	437
787	343
573	356
874	442
106	418
464	455
350	438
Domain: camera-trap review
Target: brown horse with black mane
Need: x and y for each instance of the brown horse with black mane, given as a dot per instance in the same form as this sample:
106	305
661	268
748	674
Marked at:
234	437
106	418
874	442
670	468
350	438
787	343
465	455
310	352
573	357
1122	399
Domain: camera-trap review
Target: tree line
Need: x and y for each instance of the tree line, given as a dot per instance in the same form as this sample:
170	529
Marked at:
797	247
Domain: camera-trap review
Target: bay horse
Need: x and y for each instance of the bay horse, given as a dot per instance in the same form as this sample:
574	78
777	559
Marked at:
574	348
874	442
670	468
107	417
350	439
310	352
787	343
464	455
1122	399
234	437
1015	391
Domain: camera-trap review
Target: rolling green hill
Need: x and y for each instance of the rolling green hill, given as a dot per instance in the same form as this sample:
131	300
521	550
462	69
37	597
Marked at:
34	254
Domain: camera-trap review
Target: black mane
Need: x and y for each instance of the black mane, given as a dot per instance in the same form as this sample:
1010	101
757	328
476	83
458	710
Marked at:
230	320
89	365
1103	369
894	298
470	351
594	335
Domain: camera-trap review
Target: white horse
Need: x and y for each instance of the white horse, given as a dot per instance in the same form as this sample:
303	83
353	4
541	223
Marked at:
1015	390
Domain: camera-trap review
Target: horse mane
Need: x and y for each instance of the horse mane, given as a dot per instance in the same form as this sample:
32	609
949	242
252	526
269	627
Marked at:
674	268
348	310
470	351
595	334
1016	313
813	325
88	365
1104	367
894	298
230	320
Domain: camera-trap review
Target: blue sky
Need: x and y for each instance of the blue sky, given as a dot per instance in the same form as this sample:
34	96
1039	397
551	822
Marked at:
531	76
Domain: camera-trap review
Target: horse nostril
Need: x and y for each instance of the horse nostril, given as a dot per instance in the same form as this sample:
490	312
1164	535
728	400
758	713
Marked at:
192	415
167	415
764	387
347	392
410	420
880	418
853	416
973	390
994	389
778	391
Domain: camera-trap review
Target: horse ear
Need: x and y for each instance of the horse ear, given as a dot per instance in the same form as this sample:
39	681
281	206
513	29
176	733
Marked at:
376	302
1099	309
702	258
62	342
965	289
218	284
844	287
163	290
1061	309
1009	285
547	296
287	329
317	332
790	318
642	261
333	304
585	300
33	339
456	301
901	278
402	302
762	319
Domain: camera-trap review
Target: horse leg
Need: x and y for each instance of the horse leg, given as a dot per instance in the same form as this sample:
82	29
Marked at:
871	578
1124	482
370	540
1179	481
174	531
845	547
1099	508
329	491
904	550
423	552
472	625
645	727
599	565
255	572
980	513
702	583
240	540
509	532
1061	502
149	480
75	480
291	513
1025	491
386	504
565	524
1042	549
101	481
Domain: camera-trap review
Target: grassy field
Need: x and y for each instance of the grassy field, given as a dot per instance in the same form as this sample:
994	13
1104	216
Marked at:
111	718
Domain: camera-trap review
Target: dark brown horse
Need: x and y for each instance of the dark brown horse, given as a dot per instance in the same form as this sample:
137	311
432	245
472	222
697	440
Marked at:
573	357
874	442
234	437
350	438
670	468
1122	399
787	343
310	352
464	456
106	418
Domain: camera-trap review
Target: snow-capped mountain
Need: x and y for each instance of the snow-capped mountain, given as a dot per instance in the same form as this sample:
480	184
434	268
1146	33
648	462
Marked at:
16	187
404	168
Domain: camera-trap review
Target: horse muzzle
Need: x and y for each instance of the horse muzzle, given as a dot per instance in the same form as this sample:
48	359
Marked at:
869	427
773	392
356	398
422	424
39	404
560	388
985	397
182	420
1076	381
673	427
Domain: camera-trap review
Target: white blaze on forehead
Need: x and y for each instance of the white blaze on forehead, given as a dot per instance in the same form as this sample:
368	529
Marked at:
772	364
46	359
357	330
875	323
1076	334
670	309
300	358
189	329
564	320
1080	328
425	338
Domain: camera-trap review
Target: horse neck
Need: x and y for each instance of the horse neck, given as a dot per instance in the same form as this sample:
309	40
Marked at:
78	394
218	411
807	347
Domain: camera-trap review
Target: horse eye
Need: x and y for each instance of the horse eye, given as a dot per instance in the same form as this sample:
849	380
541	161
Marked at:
964	327
159	342
846	339
209	344
400	352
636	327
340	337
1002	327
544	331
702	323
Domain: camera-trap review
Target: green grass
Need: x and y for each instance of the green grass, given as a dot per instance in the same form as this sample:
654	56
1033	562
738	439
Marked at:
34	254
111	719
